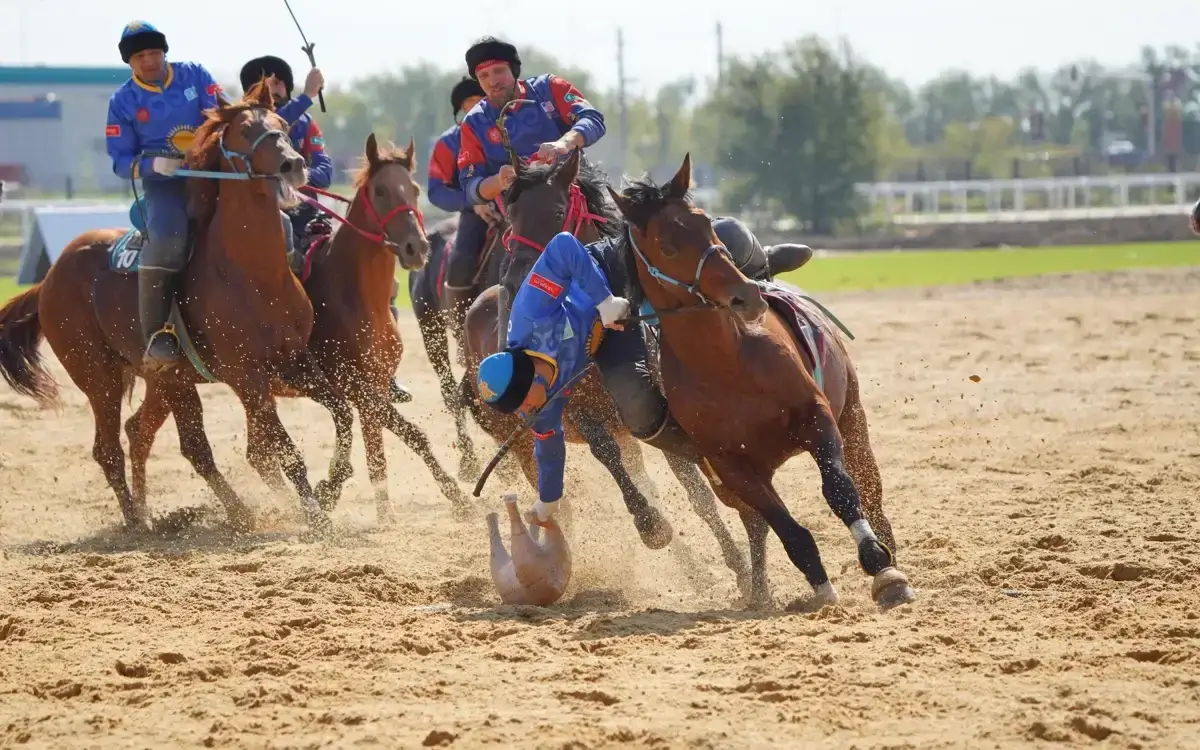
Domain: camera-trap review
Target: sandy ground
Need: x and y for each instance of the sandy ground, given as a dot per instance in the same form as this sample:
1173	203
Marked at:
1047	516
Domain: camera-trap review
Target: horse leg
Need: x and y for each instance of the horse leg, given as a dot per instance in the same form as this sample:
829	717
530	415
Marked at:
705	505
437	348
372	432
862	467
746	482
414	437
263	419
635	464
261	458
141	428
308	378
104	391
890	586
193	444
651	525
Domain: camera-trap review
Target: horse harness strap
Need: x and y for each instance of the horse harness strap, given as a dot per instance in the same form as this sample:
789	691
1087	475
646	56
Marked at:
577	214
694	287
381	235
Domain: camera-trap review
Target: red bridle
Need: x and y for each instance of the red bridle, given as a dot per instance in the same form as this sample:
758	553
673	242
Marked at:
381	235
577	214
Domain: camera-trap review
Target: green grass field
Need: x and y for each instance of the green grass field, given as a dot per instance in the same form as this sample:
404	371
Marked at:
882	270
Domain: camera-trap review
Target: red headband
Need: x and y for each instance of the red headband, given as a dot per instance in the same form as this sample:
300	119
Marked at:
488	64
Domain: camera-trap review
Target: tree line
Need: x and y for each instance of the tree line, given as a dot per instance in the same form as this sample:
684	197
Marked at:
790	132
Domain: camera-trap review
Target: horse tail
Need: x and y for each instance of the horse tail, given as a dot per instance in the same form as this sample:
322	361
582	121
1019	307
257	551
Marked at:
21	363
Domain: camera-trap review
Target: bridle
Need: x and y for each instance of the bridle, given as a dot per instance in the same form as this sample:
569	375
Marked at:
694	287
577	214
381	236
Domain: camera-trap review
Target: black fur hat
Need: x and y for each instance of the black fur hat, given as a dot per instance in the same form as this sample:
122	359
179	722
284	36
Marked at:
138	36
464	90
259	67
491	48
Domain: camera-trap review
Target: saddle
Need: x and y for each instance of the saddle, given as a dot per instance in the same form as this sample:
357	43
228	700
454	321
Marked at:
807	321
125	255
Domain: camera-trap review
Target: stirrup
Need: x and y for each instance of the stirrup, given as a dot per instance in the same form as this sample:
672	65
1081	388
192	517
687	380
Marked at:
168	329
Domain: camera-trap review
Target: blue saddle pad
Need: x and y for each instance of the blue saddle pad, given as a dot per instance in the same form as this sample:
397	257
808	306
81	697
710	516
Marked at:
137	213
126	253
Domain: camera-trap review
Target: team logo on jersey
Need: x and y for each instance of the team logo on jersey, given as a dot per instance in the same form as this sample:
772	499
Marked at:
493	134
213	89
548	106
570	97
180	138
112	131
143	115
190	93
317	140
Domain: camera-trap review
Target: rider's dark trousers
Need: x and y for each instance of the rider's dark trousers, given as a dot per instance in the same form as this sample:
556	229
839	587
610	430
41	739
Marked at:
468	244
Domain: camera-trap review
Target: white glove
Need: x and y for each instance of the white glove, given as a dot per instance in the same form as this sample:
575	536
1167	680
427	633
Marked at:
543	512
613	309
164	166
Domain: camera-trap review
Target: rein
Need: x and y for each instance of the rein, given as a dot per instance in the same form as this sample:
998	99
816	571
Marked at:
577	214
693	288
380	236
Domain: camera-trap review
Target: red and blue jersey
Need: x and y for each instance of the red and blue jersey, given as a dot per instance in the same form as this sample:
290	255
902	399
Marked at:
445	191
307	139
554	318
557	109
146	120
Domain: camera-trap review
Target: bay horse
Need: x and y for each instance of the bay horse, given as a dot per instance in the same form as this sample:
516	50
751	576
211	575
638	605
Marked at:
756	377
437	323
245	311
543	201
348	280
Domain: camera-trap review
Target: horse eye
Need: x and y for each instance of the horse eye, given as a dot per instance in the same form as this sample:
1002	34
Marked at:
668	250
380	191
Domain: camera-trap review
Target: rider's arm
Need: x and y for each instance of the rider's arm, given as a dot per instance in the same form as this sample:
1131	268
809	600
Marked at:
211	93
584	123
565	260
121	142
550	450
291	110
320	166
472	161
443	172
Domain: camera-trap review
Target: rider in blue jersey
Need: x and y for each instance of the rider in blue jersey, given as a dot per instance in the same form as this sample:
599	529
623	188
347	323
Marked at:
152	120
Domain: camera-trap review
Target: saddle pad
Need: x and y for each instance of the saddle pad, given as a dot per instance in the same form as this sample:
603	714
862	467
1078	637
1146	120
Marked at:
805	323
126	253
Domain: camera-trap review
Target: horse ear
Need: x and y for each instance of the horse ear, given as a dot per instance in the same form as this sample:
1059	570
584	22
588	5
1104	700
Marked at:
621	201
410	151
566	174
372	150
681	183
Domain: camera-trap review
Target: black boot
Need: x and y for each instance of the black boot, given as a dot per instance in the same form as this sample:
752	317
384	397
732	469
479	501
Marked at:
400	394
154	306
787	257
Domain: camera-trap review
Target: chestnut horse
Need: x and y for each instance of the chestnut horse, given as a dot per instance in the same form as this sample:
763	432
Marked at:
746	389
544	201
246	312
354	340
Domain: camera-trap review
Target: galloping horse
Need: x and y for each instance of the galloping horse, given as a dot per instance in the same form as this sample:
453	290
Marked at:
353	338
437	323
248	318
543	200
756	375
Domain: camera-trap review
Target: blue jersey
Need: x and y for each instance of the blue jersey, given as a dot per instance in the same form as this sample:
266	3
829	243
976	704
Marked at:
445	192
554	318
146	120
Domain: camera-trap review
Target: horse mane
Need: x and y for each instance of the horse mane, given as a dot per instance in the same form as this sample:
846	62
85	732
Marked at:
643	199
592	182
205	153
388	154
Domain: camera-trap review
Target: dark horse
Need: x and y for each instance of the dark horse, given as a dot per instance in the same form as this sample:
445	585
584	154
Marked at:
348	279
756	376
437	323
246	312
540	204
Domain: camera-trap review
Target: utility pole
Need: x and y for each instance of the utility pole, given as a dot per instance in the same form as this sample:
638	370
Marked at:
720	84
621	101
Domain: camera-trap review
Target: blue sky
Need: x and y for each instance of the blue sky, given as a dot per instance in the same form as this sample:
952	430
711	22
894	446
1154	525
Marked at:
912	39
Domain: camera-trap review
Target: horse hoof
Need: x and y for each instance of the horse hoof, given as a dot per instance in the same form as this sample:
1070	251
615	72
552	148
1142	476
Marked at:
386	515
318	523
891	589
327	494
654	529
240	522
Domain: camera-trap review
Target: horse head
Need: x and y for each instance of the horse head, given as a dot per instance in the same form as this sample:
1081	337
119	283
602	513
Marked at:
388	193
546	199
250	138
672	249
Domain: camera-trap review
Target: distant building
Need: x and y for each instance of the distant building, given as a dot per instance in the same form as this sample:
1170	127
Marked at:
52	126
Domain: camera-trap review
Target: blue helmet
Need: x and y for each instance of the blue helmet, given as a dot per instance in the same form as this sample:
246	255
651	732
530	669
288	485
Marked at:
138	36
504	379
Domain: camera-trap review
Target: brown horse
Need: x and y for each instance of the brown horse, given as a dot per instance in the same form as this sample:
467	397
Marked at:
746	389
542	202
246	312
348	280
